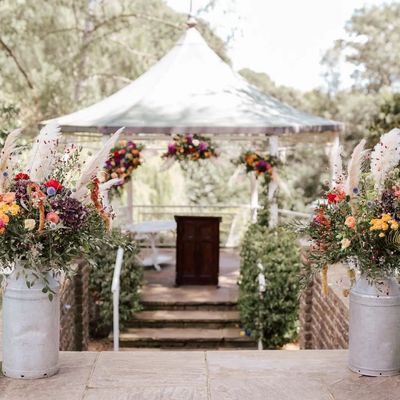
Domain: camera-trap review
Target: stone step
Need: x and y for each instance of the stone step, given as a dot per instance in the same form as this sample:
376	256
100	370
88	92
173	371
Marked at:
188	305
185	319
187	338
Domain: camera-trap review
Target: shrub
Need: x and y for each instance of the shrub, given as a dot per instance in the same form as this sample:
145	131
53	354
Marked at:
101	313
274	315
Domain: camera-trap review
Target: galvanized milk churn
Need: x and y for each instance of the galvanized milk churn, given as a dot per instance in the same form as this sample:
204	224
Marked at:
374	327
30	328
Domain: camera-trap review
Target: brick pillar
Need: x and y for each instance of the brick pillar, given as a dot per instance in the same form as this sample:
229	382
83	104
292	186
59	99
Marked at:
305	318
82	307
74	311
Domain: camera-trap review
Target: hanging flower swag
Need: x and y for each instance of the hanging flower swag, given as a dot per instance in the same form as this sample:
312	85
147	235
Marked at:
125	158
189	148
263	166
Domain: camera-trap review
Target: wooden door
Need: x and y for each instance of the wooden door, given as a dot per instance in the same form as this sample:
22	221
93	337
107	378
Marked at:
197	258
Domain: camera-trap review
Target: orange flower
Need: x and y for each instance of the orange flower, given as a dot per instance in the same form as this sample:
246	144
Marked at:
251	159
350	222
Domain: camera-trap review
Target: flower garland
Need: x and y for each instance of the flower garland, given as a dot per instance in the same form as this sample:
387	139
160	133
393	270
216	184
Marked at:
262	165
125	158
190	148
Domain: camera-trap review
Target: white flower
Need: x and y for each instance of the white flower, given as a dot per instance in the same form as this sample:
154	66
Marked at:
196	142
29	224
345	243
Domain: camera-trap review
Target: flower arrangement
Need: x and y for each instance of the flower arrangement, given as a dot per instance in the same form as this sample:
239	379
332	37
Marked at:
125	158
51	212
262	165
190	147
358	222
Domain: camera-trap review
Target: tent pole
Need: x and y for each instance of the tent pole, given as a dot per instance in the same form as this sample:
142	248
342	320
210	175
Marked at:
254	197
334	149
129	201
273	149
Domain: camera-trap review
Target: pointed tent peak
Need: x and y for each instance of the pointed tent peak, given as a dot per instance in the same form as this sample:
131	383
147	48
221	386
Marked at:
191	36
192	90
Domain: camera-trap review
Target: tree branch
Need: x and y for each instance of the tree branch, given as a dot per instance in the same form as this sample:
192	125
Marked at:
11	54
59	31
139	16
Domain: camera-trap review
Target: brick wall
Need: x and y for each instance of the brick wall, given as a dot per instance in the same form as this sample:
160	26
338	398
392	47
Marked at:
324	318
74	311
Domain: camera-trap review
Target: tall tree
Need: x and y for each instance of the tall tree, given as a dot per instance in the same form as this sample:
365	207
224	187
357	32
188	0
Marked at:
373	46
58	56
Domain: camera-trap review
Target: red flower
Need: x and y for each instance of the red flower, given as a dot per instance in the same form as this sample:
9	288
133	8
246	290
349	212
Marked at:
54	183
21	177
336	197
332	198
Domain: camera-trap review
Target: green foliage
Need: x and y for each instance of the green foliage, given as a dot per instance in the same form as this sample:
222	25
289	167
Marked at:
101	315
59	56
387	117
272	316
374	46
8	119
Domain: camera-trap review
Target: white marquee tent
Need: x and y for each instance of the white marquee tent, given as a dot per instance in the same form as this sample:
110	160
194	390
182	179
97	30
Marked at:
192	90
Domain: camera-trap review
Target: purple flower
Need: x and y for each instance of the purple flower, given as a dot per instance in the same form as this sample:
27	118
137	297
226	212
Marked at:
189	139
171	148
203	146
355	190
71	211
51	191
261	166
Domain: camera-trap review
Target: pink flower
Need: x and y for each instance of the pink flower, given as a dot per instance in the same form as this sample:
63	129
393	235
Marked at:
9	197
350	222
53	217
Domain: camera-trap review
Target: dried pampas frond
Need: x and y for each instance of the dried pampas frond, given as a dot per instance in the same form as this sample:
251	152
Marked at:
44	152
95	165
384	157
354	172
6	158
336	165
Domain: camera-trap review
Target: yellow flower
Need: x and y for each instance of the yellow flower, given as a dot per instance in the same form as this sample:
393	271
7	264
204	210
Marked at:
386	217
14	209
383	223
394	225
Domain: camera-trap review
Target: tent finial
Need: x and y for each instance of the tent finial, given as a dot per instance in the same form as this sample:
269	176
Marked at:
191	21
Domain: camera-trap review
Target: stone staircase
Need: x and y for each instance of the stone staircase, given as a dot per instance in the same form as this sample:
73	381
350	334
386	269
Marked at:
186	325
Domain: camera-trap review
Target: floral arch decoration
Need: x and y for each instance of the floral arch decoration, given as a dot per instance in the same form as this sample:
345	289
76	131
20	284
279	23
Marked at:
189	147
262	165
125	158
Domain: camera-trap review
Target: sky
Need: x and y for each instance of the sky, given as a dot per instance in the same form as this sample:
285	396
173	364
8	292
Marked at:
284	38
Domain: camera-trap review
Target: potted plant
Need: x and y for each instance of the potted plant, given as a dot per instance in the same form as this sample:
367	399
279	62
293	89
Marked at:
50	214
358	224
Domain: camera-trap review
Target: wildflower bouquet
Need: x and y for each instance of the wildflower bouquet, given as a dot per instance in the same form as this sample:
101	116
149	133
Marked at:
125	158
51	211
262	165
358	222
190	147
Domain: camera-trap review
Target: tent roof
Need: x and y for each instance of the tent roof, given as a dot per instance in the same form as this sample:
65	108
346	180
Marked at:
192	90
